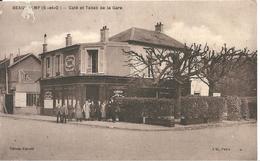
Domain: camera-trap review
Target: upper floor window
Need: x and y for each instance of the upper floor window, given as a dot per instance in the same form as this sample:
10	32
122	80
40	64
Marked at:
48	64
57	65
93	61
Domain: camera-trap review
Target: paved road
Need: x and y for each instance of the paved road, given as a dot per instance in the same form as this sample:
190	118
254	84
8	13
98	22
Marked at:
28	139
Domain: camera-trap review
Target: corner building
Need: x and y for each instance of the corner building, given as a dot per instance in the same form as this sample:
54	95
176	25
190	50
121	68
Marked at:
97	71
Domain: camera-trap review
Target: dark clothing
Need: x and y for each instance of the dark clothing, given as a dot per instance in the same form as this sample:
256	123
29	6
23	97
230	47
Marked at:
58	117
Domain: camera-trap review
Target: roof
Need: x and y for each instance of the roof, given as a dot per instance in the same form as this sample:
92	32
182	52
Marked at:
17	58
146	36
63	48
21	58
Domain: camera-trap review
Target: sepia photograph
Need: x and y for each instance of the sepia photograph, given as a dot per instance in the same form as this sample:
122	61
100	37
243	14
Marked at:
128	80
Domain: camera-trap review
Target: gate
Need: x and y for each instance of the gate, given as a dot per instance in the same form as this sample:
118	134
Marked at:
9	103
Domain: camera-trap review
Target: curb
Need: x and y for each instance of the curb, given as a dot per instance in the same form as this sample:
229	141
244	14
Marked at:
183	128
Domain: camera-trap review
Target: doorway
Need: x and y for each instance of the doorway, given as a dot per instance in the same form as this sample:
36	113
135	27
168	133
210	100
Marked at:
92	92
9	103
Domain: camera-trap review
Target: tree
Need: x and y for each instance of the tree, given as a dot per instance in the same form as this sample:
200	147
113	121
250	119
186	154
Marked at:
219	64
171	64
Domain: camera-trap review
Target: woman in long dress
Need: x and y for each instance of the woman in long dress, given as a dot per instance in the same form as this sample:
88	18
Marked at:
103	110
78	112
86	109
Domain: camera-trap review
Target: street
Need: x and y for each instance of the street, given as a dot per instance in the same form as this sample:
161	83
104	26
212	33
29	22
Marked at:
29	139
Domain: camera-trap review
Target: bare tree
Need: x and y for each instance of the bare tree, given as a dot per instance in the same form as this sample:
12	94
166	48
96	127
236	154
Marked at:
170	64
219	64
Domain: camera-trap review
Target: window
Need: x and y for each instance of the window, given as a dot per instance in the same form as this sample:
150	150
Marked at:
93	60
32	99
47	67
57	65
48	63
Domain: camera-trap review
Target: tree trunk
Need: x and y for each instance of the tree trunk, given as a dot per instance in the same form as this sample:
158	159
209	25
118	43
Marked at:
177	110
211	88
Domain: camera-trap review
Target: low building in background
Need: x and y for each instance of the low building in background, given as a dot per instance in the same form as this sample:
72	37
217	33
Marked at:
19	83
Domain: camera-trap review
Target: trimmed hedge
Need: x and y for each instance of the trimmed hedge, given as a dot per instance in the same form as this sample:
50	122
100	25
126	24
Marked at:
133	109
244	108
252	105
234	108
196	110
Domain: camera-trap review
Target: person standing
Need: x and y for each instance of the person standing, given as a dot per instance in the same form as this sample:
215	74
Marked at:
92	110
65	113
58	113
98	106
103	110
78	112
86	109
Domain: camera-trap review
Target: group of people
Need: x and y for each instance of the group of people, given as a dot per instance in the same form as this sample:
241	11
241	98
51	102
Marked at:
91	110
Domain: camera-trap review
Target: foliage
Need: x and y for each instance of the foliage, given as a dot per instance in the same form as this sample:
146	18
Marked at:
252	105
202	109
244	108
218	64
134	109
234	108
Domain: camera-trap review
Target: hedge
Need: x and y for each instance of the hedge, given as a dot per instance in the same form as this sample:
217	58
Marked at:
244	108
252	105
195	109
202	109
133	109
234	108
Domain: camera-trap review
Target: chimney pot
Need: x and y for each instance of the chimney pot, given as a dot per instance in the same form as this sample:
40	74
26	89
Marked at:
68	40
44	45
159	27
104	34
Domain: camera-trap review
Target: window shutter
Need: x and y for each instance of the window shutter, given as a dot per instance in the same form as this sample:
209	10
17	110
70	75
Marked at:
100	61
89	63
61	65
51	66
44	68
54	65
83	61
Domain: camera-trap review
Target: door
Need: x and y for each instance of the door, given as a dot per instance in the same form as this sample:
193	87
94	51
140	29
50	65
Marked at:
9	103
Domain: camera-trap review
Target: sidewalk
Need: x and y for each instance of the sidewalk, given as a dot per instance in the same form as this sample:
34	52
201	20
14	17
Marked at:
130	126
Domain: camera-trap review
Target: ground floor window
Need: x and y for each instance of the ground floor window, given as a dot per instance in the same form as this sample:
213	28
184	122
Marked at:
32	99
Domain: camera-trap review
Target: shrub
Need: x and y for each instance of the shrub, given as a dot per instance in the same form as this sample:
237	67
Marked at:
244	108
252	105
134	109
233	107
202	109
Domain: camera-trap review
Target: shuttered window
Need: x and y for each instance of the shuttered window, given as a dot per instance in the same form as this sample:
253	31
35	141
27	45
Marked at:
32	99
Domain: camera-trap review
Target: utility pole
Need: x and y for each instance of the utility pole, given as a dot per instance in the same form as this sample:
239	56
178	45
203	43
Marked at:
6	77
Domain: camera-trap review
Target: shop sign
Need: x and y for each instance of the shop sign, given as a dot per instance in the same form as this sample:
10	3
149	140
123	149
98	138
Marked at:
69	63
118	93
216	94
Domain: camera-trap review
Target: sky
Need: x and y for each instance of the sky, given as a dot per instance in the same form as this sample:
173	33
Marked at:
211	22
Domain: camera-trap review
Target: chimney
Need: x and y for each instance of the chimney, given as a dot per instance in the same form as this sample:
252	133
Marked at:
68	40
44	45
159	27
11	59
104	34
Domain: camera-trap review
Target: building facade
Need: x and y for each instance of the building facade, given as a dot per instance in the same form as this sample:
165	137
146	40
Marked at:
98	71
20	83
